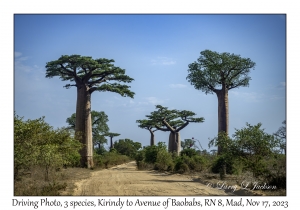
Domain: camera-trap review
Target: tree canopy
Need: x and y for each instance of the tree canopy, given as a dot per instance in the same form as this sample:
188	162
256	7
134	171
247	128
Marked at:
172	120
150	126
215	70
111	135
127	147
97	74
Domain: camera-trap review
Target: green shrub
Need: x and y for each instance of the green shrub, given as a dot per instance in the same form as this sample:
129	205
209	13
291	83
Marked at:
151	154
188	152
98	160
218	164
275	174
109	159
37	143
163	160
181	167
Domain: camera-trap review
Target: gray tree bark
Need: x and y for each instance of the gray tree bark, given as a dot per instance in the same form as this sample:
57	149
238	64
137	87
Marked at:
83	125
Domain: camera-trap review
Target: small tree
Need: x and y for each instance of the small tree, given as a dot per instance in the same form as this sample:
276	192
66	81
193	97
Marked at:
173	121
218	73
255	145
89	75
111	135
149	125
127	147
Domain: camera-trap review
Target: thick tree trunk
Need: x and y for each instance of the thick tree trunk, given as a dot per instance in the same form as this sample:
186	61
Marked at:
152	142
174	142
223	120
83	126
223	113
171	142
89	133
111	143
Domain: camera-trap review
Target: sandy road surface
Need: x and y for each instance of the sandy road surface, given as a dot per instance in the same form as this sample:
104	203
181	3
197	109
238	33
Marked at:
125	180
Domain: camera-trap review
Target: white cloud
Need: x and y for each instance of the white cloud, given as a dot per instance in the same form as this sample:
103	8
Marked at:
163	61
17	54
248	96
155	101
19	66
281	86
276	97
177	86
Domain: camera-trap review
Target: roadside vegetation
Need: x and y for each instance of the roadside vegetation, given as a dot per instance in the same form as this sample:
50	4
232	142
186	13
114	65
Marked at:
46	158
250	156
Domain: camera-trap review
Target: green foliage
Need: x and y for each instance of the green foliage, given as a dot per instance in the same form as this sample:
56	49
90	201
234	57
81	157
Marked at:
155	155
111	135
250	149
127	147
146	124
213	69
255	145
187	143
164	160
37	143
281	135
101	150
194	162
95	73
276	171
151	152
220	162
171	120
109	159
188	152
161	159
99	126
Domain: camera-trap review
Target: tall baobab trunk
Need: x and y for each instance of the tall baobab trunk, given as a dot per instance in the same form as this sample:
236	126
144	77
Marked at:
152	140
223	113
174	142
83	125
223	119
111	143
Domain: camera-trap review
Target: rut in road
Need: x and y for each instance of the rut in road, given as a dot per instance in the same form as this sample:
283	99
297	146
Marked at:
126	180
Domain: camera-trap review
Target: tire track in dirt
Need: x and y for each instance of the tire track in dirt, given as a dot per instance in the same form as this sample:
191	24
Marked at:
126	180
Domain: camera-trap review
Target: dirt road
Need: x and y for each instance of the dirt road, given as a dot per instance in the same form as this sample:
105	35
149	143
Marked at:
126	180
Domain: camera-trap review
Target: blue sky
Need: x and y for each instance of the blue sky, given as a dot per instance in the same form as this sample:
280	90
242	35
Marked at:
155	50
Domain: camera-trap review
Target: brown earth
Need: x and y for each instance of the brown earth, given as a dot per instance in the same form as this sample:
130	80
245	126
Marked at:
126	180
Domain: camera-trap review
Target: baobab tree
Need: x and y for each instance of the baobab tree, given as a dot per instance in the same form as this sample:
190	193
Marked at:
150	126
218	73
173	121
111	135
88	75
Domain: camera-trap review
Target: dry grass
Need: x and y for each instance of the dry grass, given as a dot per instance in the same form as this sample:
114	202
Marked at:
60	182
